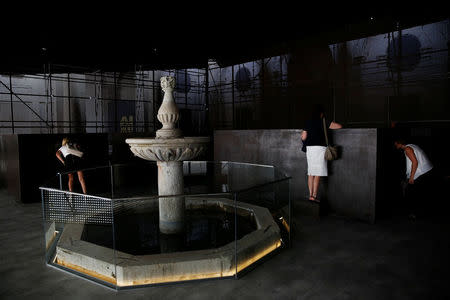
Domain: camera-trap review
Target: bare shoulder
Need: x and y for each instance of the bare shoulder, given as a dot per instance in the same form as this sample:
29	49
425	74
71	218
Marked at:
335	125
409	152
409	149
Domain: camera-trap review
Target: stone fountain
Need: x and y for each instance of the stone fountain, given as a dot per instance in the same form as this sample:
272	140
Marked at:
169	149
69	247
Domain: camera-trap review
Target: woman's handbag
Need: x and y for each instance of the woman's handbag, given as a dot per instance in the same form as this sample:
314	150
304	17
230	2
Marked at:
331	151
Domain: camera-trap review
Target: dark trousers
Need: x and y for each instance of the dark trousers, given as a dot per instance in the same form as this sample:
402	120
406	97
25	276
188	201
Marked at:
416	193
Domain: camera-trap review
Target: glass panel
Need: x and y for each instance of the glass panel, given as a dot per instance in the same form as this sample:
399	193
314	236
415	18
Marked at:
269	207
135	180
97	180
78	235
122	234
220	177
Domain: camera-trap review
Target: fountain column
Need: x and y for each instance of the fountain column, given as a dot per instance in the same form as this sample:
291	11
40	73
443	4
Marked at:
169	149
170	173
171	209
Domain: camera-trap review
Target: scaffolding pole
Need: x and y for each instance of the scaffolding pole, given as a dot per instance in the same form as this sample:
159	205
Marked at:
11	98
68	99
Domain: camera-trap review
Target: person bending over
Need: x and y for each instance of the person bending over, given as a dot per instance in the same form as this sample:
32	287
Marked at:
418	174
70	156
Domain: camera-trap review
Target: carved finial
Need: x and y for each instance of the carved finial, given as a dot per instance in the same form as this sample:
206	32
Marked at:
168	113
167	83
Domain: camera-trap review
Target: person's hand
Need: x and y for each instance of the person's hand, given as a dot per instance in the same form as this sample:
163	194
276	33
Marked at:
411	181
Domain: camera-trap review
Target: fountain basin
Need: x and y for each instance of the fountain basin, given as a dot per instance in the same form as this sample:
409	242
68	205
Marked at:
173	149
170	154
124	269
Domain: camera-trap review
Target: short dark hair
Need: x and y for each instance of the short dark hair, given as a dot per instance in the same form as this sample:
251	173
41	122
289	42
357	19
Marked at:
400	140
317	109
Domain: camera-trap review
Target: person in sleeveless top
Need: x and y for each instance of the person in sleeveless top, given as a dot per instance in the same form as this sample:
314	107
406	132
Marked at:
418	174
313	138
70	156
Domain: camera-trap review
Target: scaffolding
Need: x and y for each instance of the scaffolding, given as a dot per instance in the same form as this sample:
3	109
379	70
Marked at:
91	102
369	82
378	81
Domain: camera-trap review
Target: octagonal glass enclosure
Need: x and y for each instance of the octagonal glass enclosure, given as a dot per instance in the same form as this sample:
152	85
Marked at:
235	216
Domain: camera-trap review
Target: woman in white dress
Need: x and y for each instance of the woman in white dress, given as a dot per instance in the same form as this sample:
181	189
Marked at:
314	137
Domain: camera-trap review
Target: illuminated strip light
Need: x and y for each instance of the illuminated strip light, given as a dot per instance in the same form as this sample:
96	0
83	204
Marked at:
173	278
240	267
258	256
85	271
167	279
285	224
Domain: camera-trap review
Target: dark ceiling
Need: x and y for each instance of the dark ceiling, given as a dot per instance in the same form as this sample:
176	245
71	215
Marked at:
90	43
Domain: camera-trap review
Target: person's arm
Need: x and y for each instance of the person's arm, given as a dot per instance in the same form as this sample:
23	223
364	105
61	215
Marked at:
335	125
414	163
304	135
59	156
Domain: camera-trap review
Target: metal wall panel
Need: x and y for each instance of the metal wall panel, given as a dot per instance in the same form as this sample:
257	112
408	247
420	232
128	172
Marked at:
280	148
9	164
350	190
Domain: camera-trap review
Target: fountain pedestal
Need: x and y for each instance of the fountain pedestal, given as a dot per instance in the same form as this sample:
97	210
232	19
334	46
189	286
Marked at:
171	209
169	149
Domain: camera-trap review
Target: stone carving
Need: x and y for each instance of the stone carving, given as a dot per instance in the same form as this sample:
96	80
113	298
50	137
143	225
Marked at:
168	113
167	154
167	83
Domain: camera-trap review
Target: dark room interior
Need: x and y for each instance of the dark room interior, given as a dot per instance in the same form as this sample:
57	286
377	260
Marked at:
224	105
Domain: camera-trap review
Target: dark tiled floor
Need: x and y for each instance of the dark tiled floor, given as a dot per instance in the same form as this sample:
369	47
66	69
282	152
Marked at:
331	258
